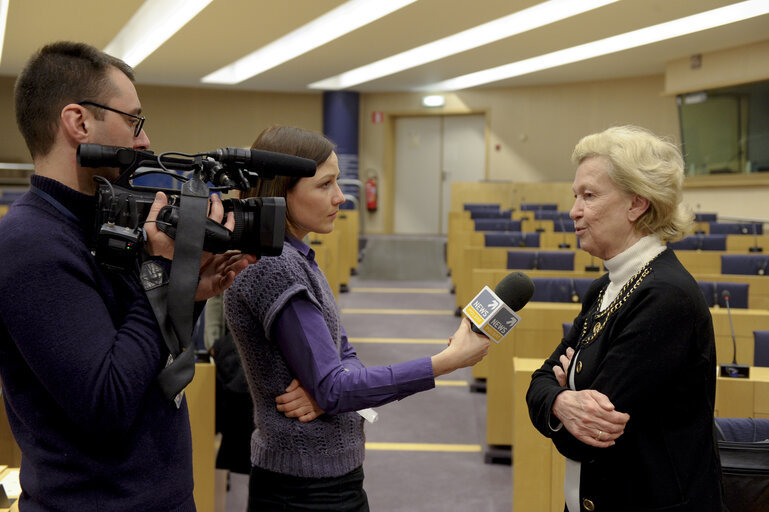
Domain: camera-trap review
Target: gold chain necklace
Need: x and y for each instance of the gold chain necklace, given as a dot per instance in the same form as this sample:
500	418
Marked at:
601	318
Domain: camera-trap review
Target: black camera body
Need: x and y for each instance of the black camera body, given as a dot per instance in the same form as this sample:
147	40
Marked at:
122	207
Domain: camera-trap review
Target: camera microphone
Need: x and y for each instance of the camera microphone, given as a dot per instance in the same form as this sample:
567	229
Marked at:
266	164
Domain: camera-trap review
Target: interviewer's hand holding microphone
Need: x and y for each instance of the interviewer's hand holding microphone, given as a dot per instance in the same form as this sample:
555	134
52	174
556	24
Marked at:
465	349
588	414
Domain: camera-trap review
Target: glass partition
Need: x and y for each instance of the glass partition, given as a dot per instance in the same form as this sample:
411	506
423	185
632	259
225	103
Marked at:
726	130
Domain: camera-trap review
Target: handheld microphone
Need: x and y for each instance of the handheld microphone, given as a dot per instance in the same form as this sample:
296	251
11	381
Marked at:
733	369
492	313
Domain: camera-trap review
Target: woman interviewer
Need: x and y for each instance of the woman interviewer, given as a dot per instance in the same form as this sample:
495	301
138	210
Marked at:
287	327
627	397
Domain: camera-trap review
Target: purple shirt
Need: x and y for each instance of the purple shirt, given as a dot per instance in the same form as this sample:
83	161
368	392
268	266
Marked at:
337	379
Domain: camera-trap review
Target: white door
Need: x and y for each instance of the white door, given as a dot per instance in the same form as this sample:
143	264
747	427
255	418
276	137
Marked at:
430	153
464	156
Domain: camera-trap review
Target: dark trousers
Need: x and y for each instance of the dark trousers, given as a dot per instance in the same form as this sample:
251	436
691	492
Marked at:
275	492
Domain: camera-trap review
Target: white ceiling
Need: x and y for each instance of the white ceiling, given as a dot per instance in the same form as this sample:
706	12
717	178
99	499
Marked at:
229	29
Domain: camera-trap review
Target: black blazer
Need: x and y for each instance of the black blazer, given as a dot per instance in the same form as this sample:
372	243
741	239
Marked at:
655	360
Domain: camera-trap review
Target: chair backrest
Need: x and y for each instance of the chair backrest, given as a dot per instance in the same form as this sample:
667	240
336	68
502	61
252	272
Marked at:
481	206
761	348
538	206
700	243
491	214
714	293
542	260
511	239
497	225
753	264
560	289
744	453
563	226
550	215
705	217
736	228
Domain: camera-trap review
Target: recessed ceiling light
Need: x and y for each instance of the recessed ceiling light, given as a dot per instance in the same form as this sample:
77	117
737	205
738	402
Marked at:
151	26
337	22
648	35
501	28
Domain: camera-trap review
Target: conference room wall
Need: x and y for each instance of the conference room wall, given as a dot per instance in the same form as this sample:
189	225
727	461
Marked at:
189	119
531	131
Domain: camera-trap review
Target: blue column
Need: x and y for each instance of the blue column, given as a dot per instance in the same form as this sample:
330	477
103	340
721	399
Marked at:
340	124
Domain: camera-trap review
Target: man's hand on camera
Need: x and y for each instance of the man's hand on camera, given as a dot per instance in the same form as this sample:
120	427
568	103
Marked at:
158	243
218	271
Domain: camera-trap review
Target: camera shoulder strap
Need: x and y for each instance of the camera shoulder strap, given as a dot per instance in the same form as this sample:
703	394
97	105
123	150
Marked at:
178	301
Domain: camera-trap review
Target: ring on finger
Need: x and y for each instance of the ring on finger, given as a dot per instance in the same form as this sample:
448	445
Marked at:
598	437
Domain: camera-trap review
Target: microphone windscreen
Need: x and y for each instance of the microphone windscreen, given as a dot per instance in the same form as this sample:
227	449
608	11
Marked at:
270	163
515	290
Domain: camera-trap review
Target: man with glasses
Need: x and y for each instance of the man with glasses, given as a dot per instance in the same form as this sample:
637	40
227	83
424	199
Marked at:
80	348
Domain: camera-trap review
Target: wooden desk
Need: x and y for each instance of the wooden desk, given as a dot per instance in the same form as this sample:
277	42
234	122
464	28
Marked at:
201	397
201	402
538	468
12	496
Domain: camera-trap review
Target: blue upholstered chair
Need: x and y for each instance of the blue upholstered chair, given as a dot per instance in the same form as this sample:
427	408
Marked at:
736	228
471	207
700	243
705	217
497	225
542	260
511	239
713	292
531	207
551	215
743	446
560	289
749	264
491	214
760	348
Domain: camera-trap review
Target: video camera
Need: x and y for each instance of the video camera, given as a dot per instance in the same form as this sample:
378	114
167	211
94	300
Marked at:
122	207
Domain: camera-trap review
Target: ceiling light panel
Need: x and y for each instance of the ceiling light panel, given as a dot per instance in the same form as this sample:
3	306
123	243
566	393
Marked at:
332	25
507	26
648	35
152	25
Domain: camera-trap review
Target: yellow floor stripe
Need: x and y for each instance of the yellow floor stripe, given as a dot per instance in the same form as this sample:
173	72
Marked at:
440	382
398	290
397	311
424	447
427	341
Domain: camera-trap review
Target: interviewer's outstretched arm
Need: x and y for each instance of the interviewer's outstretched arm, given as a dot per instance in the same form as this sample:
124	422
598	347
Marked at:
465	349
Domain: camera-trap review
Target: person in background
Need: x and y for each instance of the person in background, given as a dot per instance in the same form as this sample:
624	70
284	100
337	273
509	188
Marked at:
628	395
80	347
286	324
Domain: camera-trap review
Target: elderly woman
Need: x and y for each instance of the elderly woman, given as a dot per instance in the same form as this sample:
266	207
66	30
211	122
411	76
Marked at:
627	397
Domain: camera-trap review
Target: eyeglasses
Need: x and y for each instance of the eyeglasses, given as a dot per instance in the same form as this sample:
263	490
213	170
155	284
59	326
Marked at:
139	119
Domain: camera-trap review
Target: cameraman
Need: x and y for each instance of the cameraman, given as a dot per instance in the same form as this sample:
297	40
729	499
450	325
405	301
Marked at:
80	347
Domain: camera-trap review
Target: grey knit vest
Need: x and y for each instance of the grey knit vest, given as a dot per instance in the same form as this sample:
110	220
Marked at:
325	447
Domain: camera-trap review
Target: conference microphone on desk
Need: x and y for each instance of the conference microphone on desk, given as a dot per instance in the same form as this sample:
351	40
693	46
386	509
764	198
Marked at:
733	369
492	313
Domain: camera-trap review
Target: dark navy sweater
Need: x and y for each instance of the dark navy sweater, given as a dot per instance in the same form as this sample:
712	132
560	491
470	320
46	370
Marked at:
80	351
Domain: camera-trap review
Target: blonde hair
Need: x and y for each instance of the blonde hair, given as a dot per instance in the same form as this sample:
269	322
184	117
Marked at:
646	165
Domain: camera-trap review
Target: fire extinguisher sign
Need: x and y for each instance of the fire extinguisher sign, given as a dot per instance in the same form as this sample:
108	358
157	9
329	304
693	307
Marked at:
377	116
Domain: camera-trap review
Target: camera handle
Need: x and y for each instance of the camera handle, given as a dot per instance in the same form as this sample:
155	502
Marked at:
175	316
